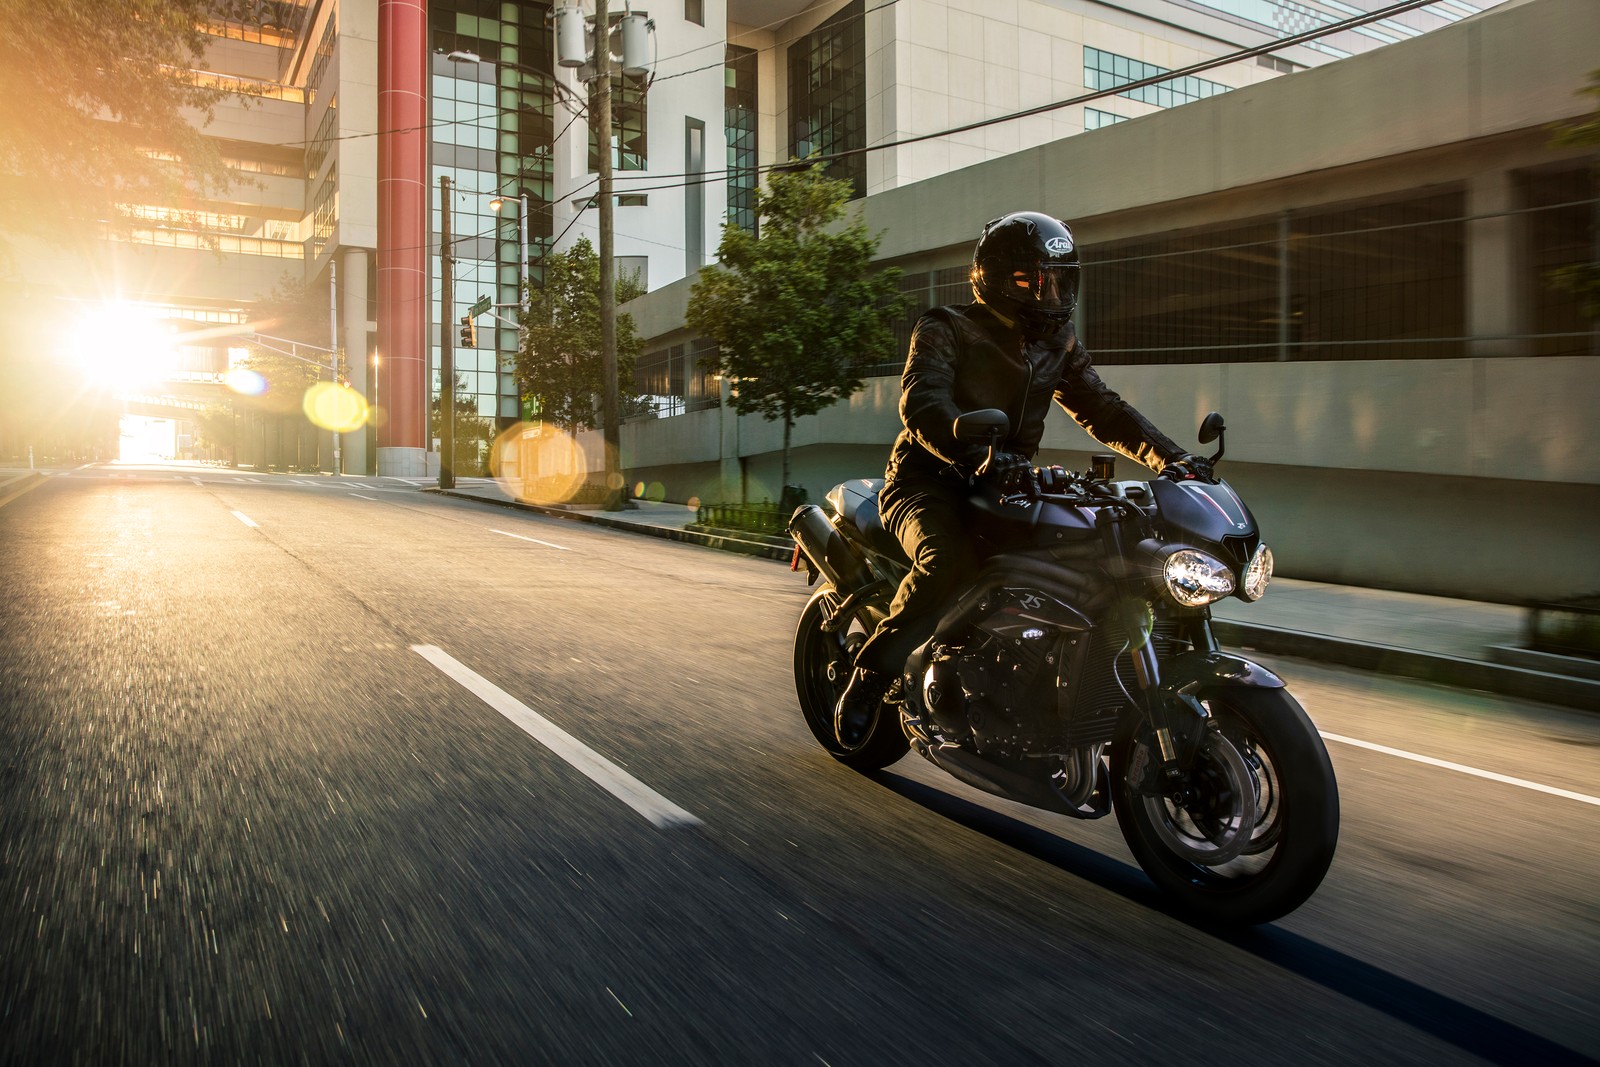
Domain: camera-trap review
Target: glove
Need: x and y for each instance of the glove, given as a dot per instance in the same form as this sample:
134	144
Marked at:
1189	467
1009	472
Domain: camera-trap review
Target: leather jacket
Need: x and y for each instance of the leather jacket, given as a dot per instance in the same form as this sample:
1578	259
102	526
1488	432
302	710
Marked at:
964	358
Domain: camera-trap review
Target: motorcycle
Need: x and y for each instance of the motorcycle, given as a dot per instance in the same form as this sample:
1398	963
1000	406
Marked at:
1079	673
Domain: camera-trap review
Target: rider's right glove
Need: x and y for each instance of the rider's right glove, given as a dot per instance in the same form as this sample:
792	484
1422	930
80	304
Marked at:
1009	472
1188	466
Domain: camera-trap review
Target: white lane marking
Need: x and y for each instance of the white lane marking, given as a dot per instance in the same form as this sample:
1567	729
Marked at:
358	496
1492	776
197	481
535	540
613	779
247	520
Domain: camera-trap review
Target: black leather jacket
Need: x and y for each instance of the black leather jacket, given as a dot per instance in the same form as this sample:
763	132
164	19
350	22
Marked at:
964	358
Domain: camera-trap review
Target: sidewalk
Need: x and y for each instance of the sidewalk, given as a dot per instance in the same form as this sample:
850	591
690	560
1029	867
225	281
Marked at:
1461	643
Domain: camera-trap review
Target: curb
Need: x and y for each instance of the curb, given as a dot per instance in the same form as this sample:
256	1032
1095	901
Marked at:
1526	682
1508	680
726	542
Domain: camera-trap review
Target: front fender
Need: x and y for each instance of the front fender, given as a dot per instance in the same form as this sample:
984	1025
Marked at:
1209	670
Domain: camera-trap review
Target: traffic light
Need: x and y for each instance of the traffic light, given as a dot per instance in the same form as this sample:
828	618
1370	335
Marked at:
469	332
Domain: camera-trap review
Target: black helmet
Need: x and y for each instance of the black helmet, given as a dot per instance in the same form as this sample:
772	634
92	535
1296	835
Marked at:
1026	268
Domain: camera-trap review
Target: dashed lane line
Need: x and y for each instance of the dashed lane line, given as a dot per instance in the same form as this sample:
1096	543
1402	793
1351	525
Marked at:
535	540
247	520
1523	783
358	496
661	812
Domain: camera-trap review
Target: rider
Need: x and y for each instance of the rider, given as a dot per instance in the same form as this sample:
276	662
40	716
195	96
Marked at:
1013	349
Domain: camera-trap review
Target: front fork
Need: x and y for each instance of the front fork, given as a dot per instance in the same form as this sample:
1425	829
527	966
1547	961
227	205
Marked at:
1178	719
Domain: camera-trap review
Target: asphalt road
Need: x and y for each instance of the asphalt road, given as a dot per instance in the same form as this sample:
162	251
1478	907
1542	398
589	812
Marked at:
305	770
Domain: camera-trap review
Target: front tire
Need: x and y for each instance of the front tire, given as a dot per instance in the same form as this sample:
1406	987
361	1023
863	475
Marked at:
822	665
1185	847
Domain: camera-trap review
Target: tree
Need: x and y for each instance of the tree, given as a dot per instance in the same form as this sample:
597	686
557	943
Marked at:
471	433
796	313
1582	279
559	364
100	110
296	311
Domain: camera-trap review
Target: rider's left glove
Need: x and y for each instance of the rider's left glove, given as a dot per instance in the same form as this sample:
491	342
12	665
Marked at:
1010	473
1189	467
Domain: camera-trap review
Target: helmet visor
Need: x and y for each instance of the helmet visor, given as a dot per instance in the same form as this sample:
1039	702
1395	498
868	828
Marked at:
1051	287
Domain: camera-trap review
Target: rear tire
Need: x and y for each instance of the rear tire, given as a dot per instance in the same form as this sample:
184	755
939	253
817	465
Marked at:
822	665
1296	812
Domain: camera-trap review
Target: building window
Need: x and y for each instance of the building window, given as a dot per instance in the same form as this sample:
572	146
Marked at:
1563	226
1094	118
739	119
630	121
694	194
828	95
1107	70
694	11
1377	281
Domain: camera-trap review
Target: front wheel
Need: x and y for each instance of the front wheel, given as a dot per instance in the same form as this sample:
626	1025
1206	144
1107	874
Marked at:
822	665
1251	832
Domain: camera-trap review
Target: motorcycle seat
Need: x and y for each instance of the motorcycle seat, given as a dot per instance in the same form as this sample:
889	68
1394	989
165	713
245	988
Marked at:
856	503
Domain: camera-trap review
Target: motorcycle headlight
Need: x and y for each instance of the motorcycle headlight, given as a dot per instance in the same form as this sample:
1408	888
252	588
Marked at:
1257	574
1195	579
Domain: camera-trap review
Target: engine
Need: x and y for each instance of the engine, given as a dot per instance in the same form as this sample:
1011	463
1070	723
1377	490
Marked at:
998	697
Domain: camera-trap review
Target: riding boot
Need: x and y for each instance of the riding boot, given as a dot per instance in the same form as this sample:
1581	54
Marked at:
858	704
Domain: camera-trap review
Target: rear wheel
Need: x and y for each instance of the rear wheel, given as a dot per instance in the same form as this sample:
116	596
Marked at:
1252	831
822	665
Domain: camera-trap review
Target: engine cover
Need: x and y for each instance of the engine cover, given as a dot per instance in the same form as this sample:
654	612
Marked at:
998	698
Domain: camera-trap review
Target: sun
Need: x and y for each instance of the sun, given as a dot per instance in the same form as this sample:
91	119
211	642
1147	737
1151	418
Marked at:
122	345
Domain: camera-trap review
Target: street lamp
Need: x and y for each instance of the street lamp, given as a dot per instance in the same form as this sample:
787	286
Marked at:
522	243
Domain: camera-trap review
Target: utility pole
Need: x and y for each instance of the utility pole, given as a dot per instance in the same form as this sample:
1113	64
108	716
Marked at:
447	363
333	343
608	281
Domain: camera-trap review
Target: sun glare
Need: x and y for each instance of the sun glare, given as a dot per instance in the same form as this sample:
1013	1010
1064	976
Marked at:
122	345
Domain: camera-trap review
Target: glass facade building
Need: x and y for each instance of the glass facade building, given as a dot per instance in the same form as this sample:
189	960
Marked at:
828	94
493	123
740	120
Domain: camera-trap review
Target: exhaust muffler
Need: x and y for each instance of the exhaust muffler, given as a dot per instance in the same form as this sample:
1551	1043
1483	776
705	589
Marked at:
827	549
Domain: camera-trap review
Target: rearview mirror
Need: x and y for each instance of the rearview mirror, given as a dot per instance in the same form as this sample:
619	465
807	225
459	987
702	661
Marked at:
1212	427
982	426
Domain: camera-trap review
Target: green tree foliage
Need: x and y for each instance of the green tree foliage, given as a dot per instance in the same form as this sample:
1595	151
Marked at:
100	108
295	311
217	426
277	426
473	434
559	366
797	314
1582	279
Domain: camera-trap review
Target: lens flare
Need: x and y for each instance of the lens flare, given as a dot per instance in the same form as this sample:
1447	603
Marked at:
538	464
335	407
245	382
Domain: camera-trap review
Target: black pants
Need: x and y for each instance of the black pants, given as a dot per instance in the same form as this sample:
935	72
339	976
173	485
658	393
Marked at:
929	516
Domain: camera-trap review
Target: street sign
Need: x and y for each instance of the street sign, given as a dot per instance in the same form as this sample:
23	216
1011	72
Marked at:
479	306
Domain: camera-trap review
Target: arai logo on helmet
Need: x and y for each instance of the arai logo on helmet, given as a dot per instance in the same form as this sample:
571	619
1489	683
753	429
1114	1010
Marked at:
1058	246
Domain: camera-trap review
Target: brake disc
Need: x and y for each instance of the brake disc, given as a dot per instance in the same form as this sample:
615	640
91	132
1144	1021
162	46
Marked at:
1220	831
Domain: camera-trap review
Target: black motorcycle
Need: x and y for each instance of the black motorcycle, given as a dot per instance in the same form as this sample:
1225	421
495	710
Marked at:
1078	673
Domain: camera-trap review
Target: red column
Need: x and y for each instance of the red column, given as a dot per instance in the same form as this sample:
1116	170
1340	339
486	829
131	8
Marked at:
403	311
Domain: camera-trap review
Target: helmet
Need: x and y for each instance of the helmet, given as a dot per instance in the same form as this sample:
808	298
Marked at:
1026	268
